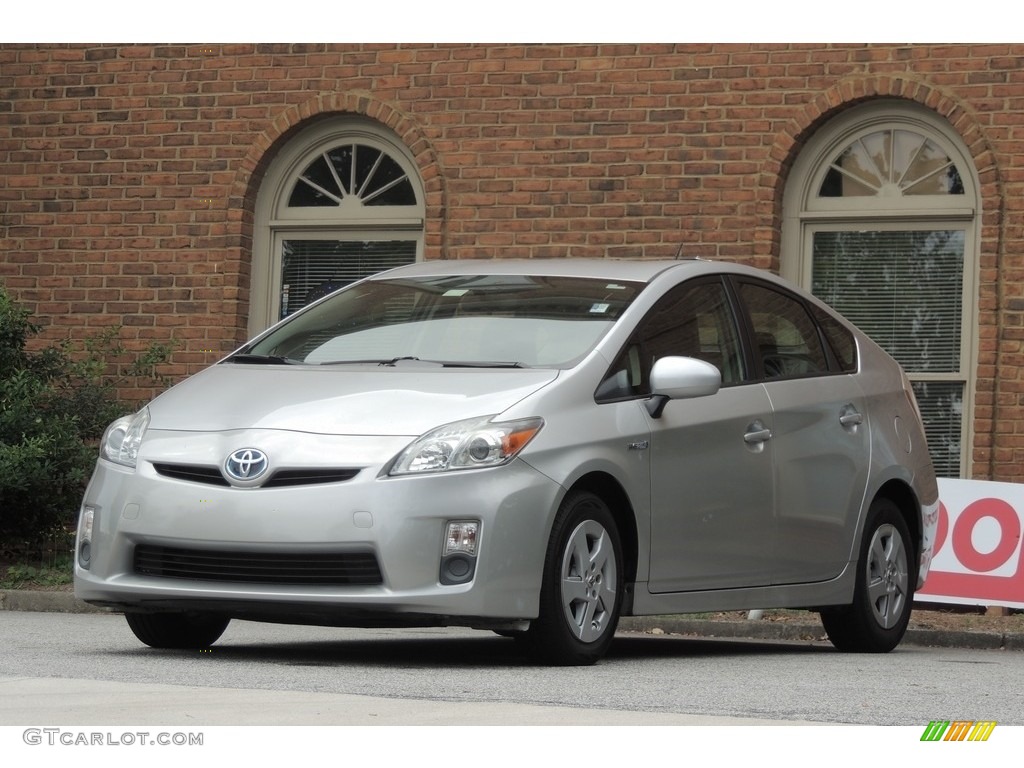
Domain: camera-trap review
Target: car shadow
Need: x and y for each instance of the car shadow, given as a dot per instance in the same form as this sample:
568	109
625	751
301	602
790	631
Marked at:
465	652
669	646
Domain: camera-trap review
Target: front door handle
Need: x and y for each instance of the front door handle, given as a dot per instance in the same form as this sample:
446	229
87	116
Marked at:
757	433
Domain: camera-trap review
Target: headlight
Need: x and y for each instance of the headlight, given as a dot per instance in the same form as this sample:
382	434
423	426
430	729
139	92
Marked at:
469	444
122	438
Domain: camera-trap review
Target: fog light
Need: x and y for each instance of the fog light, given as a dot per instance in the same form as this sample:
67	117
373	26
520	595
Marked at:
85	524
461	537
458	557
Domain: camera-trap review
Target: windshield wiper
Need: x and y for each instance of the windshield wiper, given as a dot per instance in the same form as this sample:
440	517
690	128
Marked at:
377	361
244	357
395	361
482	364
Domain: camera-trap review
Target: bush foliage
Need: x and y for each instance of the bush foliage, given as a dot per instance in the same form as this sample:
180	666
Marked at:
54	405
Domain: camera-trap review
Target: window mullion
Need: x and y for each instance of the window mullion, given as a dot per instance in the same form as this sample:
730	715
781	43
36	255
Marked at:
334	173
369	176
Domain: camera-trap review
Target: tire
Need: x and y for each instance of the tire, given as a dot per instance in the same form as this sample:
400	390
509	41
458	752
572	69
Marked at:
884	593
581	590
177	630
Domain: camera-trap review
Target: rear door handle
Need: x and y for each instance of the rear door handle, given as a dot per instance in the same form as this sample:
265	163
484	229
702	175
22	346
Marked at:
849	416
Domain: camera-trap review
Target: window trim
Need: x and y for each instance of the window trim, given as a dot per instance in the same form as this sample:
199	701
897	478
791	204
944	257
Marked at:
274	219
857	122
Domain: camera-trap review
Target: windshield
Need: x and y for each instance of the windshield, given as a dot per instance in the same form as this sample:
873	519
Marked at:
517	320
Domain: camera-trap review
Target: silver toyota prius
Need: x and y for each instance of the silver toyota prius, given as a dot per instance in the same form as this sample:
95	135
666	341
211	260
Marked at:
530	447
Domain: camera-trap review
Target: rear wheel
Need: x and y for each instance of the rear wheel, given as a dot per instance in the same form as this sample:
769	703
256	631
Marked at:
886	577
177	630
582	588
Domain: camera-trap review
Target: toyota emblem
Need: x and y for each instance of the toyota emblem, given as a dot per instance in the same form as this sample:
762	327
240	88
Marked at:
246	464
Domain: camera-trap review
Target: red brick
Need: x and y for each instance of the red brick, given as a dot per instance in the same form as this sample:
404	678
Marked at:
128	172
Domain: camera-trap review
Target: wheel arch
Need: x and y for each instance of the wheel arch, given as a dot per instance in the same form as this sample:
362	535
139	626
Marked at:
614	495
903	496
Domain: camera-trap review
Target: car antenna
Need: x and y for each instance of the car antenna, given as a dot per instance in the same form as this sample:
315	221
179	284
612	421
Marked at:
681	257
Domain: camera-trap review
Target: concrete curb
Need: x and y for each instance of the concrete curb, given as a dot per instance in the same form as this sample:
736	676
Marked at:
812	632
66	602
43	601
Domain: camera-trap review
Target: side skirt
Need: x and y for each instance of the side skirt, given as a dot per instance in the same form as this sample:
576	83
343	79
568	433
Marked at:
638	601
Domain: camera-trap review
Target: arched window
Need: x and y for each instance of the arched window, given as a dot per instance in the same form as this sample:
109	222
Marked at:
880	221
341	201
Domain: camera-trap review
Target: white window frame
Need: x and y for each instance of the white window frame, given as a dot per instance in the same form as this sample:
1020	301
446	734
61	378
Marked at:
804	214
276	221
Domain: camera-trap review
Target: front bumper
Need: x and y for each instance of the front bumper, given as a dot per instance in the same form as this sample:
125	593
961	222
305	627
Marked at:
929	530
401	521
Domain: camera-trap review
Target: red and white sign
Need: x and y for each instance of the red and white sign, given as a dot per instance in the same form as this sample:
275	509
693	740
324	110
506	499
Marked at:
977	557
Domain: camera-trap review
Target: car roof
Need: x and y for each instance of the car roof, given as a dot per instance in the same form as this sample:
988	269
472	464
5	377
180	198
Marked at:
637	270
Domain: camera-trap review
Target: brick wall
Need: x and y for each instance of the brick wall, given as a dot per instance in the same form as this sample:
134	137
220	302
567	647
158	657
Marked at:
128	174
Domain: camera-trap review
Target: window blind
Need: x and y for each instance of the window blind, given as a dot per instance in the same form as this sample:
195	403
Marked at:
903	288
941	405
310	269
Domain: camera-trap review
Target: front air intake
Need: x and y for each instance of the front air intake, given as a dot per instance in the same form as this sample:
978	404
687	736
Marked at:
309	568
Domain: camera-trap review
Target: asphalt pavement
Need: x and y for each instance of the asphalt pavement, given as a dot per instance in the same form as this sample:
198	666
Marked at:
806	631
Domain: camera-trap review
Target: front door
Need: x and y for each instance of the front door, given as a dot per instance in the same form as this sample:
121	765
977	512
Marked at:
712	492
711	460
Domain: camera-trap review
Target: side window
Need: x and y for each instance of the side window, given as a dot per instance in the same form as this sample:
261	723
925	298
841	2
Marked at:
844	346
785	336
694	319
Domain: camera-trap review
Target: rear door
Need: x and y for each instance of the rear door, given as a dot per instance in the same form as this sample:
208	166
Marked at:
820	434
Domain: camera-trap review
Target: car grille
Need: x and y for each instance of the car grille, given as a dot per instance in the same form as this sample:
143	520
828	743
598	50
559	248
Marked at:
192	473
197	473
312	568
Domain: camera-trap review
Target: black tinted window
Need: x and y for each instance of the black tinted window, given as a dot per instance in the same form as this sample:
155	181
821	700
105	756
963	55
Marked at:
786	338
692	320
840	339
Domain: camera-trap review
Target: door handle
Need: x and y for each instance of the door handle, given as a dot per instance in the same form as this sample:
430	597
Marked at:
849	416
757	433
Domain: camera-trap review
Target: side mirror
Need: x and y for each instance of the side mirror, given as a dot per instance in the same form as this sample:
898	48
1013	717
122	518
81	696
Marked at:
679	378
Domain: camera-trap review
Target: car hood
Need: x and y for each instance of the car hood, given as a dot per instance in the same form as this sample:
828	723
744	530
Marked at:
340	401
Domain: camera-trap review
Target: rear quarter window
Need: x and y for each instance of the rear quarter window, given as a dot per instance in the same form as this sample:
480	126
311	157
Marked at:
840	339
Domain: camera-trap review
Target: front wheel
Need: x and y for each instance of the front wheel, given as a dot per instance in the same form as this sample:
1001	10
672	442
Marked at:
177	630
582	585
886	577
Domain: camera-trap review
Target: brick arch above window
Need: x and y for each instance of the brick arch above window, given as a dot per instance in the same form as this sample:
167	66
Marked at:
332	105
250	175
341	200
854	91
341	170
860	89
266	145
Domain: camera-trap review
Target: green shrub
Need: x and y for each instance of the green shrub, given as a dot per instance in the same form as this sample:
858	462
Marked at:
53	570
54	406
